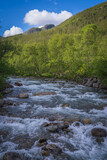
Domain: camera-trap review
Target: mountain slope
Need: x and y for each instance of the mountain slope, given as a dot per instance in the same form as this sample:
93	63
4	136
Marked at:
95	15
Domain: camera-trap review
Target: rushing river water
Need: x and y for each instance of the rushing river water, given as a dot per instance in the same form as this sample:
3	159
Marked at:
21	120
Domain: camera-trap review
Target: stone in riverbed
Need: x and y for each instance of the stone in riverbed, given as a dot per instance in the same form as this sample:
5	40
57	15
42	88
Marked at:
18	84
45	124
86	121
98	132
99	139
52	118
45	153
63	126
44	93
41	142
53	128
53	148
23	95
65	105
11	156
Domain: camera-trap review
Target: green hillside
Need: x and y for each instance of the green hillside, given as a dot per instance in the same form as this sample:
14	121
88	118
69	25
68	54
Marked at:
95	15
73	50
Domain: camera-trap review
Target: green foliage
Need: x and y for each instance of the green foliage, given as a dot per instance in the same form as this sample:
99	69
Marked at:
72	50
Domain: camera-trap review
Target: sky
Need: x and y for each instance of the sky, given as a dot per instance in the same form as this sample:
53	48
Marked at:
17	16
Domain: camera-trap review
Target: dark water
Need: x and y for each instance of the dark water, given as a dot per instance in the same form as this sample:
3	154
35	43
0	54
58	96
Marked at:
20	123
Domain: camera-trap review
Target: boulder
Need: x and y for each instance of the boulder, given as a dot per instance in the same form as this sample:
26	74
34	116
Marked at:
23	95
18	84
98	132
11	156
44	93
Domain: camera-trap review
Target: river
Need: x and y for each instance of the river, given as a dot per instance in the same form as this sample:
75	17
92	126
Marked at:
24	121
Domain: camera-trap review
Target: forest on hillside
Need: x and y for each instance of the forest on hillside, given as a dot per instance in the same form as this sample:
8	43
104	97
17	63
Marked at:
60	55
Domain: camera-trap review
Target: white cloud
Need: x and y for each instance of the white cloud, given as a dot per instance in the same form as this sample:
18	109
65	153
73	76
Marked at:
39	18
13	31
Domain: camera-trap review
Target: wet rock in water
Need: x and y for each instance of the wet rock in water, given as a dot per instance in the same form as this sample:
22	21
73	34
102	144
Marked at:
4	134
44	93
65	105
9	103
63	126
71	147
66	130
53	148
24	141
2	102
52	118
23	95
86	121
96	85
53	128
63	156
7	91
8	85
45	153
99	140
98	132
18	84
41	142
77	124
45	124
11	156
76	120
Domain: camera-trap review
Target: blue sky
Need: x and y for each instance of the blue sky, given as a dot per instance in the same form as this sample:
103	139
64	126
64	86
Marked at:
12	12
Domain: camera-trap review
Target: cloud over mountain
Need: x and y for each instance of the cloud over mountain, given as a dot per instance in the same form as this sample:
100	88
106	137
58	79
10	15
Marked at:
13	31
38	18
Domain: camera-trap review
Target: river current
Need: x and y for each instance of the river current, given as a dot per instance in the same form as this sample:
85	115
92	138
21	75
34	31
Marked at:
22	119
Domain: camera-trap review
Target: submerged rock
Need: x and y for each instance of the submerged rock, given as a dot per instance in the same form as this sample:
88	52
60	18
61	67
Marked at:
23	95
98	132
18	84
11	156
44	93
